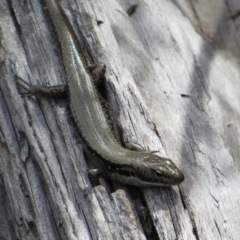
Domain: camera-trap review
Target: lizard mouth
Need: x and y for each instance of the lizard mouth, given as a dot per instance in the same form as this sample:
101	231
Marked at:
175	178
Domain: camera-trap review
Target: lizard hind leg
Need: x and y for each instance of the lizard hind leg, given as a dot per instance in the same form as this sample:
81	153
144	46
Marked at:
97	71
49	91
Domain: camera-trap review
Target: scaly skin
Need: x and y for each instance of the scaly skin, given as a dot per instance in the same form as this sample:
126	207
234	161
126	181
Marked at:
129	167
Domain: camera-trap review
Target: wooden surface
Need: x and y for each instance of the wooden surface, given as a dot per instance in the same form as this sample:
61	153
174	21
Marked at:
173	83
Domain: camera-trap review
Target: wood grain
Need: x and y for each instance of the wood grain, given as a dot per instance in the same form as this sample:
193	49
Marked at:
164	51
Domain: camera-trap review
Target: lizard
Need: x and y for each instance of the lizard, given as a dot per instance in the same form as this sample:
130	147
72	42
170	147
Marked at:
138	168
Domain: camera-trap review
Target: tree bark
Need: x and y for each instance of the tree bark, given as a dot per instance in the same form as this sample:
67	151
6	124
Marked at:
172	81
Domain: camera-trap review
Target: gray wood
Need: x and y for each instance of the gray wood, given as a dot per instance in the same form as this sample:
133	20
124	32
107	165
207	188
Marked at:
155	57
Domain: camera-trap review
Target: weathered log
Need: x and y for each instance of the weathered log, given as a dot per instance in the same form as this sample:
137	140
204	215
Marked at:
172	83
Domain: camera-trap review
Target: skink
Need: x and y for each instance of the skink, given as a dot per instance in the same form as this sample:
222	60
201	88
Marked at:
120	164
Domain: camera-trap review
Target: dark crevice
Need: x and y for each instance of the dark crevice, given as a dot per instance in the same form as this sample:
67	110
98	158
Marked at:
57	226
8	228
173	211
194	229
33	129
44	189
143	213
87	225
73	226
15	21
145	115
60	165
156	131
217	227
182	198
174	222
11	122
53	144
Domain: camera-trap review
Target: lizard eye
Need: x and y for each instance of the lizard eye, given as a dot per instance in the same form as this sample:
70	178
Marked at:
158	174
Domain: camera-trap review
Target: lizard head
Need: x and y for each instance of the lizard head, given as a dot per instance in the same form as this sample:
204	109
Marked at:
145	170
153	170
